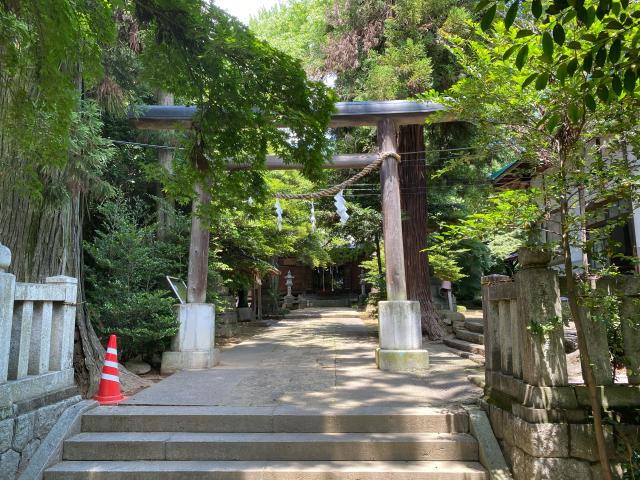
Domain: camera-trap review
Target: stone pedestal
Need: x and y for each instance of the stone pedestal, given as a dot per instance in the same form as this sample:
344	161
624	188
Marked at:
245	314
288	302
400	337
227	323
193	348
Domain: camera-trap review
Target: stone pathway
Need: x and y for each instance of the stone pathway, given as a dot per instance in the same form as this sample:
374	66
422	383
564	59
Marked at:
316	358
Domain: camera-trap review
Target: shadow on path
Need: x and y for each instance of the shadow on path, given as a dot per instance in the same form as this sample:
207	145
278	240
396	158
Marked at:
323	360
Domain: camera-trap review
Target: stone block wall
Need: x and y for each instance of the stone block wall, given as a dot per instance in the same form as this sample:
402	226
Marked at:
25	424
541	420
541	451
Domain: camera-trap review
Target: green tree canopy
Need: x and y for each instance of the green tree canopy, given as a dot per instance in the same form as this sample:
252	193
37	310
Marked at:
252	98
46	51
594	44
297	28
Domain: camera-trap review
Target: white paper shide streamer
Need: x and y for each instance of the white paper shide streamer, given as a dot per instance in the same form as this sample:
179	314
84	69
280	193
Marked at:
313	218
341	207
279	214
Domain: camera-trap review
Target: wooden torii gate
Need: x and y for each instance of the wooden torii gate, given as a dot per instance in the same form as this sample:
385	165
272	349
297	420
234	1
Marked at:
400	336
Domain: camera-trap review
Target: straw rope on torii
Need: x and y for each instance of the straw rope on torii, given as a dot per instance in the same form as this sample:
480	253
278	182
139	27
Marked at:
328	192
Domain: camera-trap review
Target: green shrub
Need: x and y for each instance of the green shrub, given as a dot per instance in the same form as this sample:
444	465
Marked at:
143	321
126	287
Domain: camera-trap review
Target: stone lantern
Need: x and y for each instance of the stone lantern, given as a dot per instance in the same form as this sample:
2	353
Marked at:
363	287
289	283
289	298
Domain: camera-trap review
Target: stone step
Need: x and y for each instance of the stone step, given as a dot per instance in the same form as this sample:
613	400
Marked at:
282	419
474	326
450	317
201	470
478	380
457	325
302	315
479	359
271	446
471	337
464	346
329	302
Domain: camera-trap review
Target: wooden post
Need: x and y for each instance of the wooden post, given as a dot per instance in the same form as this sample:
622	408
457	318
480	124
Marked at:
400	336
391	212
166	214
259	301
198	251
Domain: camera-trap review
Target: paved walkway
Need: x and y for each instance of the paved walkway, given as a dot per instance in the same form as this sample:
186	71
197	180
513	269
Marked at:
316	358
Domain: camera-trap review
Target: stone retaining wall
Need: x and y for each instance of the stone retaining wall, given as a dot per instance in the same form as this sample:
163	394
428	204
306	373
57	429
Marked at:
25	424
541	420
540	451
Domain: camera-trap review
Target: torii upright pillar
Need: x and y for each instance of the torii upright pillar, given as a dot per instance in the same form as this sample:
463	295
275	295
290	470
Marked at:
193	348
400	333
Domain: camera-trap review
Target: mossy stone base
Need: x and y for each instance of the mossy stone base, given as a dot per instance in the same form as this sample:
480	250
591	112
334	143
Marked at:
402	360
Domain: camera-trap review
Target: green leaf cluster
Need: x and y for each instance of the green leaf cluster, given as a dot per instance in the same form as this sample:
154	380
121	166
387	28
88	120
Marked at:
47	49
297	28
252	99
592	44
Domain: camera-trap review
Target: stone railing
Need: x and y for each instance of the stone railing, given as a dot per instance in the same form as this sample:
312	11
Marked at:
36	335
541	419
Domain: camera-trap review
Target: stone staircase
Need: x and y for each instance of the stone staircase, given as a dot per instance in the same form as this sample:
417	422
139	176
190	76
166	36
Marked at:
270	443
467	338
330	301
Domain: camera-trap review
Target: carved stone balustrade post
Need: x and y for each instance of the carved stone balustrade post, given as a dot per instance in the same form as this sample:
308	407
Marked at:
544	362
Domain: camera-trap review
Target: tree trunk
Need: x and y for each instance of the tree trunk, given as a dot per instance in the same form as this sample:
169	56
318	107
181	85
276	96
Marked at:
378	255
413	194
38	235
46	240
577	315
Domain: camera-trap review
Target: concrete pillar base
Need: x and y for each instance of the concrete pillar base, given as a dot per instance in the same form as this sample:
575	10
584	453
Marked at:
402	361
399	325
194	345
400	337
173	362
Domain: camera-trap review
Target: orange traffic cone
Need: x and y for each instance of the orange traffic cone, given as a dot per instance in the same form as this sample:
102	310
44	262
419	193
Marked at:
109	391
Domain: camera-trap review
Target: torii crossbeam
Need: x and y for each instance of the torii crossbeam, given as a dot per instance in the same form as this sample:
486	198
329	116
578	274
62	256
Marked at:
400	334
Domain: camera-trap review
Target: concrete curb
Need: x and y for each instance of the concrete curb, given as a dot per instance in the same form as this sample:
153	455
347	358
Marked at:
491	456
50	450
